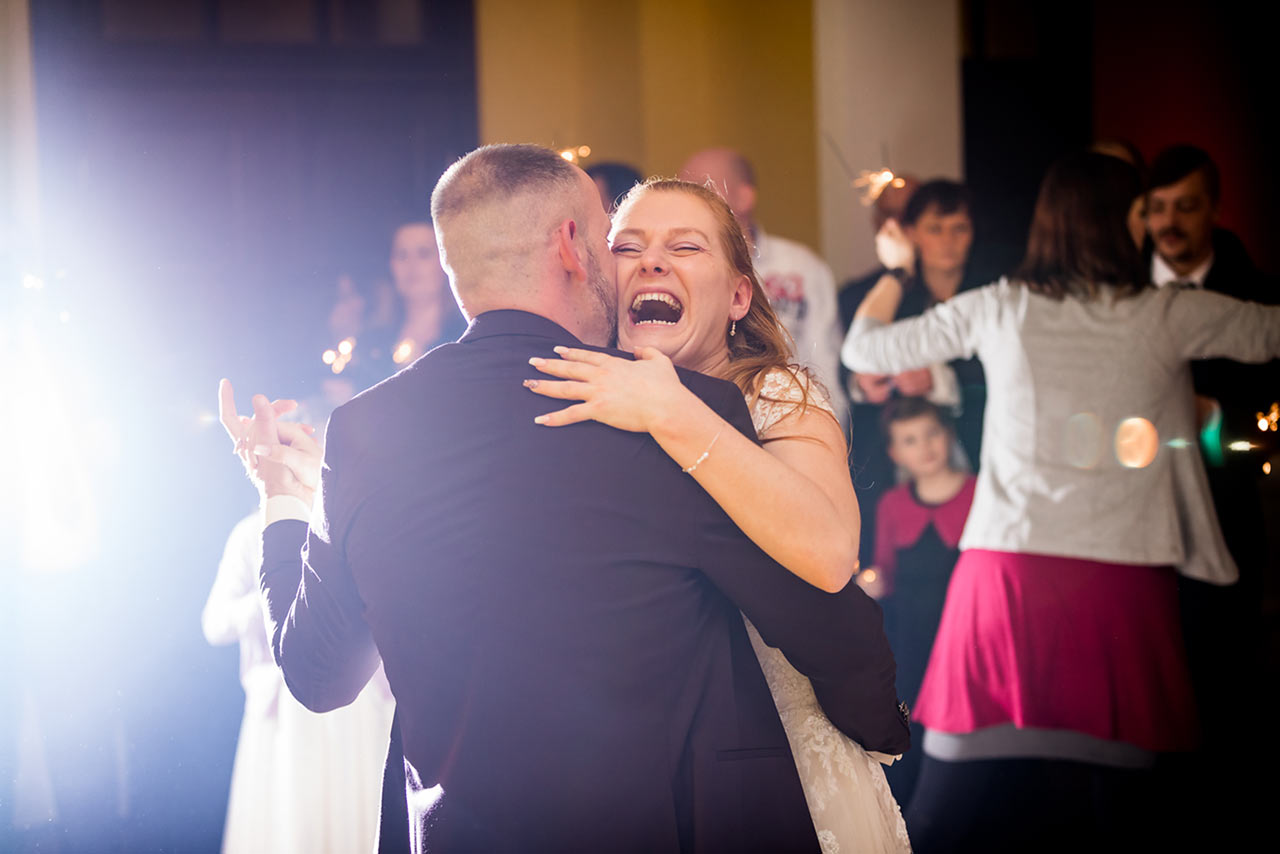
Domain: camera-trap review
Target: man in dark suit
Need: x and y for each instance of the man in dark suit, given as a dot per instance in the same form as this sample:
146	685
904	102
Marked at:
1222	625
557	610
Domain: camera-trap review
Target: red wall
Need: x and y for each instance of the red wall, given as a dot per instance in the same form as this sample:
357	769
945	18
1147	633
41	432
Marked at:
1194	72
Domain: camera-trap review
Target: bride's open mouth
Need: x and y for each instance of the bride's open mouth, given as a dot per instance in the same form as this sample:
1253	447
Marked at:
655	307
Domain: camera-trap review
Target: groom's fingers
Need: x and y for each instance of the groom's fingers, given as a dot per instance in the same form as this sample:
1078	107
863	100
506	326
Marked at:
568	415
304	467
562	389
299	436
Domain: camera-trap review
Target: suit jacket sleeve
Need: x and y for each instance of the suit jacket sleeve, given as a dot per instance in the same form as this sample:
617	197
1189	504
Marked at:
314	613
837	640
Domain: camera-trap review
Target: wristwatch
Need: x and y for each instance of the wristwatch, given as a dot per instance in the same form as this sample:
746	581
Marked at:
899	273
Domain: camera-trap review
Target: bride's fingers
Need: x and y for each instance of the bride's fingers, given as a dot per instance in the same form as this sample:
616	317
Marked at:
591	357
565	370
650	354
568	415
565	390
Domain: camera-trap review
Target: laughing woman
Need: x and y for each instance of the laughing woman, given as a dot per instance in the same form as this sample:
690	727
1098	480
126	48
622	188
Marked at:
689	297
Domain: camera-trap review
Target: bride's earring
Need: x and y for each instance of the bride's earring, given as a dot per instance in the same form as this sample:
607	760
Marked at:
733	329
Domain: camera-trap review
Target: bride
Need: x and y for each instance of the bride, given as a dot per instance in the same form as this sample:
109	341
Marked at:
688	295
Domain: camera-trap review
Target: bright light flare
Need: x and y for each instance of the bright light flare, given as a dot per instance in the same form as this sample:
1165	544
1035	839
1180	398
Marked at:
54	500
32	282
1241	445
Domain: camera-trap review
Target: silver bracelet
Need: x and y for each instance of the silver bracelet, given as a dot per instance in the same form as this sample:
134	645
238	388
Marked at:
705	453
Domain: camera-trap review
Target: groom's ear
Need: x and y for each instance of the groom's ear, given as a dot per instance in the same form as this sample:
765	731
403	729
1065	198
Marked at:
568	240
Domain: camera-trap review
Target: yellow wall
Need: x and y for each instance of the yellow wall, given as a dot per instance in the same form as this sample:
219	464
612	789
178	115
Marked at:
651	81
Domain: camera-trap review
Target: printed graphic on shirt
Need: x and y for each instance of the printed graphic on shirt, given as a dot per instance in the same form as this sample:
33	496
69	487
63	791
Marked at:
786	294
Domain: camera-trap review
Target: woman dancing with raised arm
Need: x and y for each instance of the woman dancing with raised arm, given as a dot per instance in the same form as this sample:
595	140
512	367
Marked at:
688	295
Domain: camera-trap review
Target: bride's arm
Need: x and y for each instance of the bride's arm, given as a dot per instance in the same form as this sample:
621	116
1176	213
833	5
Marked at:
792	497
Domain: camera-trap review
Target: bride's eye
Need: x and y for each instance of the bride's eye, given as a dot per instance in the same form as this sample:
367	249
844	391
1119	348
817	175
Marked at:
686	248
626	249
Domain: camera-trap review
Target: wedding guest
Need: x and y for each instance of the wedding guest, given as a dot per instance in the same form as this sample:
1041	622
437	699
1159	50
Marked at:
373	337
800	286
917	545
1058	674
301	782
1224	625
937	227
613	180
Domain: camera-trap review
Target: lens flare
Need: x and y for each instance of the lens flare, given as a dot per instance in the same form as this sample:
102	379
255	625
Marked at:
1082	440
1137	443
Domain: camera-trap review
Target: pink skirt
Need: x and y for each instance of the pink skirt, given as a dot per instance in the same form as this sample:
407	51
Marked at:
1061	643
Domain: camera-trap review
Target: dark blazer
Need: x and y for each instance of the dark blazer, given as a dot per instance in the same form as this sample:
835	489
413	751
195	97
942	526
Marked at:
558	612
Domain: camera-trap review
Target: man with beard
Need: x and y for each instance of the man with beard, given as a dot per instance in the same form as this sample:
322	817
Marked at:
557	610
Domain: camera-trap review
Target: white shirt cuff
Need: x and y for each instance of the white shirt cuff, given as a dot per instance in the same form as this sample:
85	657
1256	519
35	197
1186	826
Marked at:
280	507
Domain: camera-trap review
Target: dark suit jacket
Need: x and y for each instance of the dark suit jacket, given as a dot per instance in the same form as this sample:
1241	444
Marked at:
557	610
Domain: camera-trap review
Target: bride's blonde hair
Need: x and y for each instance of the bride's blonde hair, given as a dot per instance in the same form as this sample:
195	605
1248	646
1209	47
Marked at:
760	344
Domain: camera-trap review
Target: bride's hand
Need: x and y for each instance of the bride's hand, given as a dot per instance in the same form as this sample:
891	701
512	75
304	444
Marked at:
628	395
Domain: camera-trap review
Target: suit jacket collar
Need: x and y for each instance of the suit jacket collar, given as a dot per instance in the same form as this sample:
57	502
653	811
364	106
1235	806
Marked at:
513	322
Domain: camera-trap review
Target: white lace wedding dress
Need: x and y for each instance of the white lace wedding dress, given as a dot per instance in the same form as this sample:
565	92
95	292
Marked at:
849	799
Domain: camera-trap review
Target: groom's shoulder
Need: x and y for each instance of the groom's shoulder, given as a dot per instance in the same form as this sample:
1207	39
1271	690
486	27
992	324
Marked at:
398	391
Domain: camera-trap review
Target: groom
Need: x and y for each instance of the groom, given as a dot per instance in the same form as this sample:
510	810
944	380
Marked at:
557	610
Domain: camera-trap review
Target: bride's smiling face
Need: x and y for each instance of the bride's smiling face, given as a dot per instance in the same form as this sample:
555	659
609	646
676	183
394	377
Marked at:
677	290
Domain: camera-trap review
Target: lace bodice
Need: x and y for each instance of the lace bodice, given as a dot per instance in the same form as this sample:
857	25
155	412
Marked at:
781	394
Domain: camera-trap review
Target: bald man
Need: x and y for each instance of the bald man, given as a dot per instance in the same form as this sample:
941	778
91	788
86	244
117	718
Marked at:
800	285
557	610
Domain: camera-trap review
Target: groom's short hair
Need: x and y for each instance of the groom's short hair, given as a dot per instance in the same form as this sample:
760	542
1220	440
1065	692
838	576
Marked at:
497	206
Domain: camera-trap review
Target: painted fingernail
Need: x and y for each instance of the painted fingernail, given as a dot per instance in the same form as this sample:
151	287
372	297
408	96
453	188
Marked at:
535	360
530	383
561	349
541	419
261	451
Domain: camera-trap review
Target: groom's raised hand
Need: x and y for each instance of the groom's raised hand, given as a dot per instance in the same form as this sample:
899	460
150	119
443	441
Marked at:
281	458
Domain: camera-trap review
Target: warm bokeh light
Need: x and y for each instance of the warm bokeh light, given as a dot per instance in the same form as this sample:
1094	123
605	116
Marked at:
869	575
1241	445
329	357
1137	442
1266	467
402	352
873	183
584	151
1269	420
346	345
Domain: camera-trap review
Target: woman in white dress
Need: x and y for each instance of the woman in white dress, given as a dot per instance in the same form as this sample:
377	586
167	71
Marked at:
302	783
688	295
